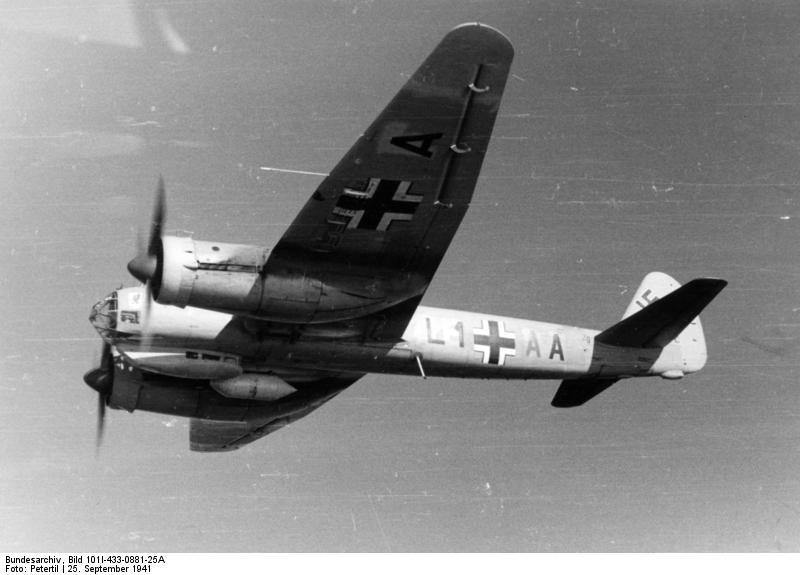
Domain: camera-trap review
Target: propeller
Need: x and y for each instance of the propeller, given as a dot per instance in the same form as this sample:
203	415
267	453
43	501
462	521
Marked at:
101	379
145	265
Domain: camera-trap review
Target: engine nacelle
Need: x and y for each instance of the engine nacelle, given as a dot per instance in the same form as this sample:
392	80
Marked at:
227	275
229	278
253	386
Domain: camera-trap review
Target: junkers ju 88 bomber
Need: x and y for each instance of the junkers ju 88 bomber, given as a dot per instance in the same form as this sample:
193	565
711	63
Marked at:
244	340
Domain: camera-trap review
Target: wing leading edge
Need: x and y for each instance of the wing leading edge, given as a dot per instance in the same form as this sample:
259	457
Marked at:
378	226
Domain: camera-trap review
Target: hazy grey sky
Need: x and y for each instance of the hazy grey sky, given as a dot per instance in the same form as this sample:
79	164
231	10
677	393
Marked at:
634	136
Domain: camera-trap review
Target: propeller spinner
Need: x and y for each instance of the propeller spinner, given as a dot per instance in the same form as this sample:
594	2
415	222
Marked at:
145	265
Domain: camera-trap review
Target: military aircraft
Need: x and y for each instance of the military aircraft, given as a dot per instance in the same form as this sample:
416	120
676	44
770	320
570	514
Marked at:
244	340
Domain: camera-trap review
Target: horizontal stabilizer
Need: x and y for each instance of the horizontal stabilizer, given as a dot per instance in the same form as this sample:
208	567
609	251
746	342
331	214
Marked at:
575	392
664	319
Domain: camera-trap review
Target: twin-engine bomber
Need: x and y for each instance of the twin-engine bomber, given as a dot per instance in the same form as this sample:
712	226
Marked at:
244	339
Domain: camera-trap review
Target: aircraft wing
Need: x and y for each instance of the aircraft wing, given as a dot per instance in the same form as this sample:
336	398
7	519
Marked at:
378	226
213	435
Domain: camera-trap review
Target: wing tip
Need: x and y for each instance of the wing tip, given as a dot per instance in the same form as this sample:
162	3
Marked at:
479	31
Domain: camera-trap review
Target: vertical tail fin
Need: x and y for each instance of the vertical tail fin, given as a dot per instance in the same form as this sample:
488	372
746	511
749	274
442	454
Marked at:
654	286
660	334
662	314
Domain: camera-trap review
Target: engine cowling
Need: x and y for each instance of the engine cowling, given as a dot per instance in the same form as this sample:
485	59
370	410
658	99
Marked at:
301	286
228	277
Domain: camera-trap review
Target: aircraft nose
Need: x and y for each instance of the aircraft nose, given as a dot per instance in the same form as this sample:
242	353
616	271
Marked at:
103	316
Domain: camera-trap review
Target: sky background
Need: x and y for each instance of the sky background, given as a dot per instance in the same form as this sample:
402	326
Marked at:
633	136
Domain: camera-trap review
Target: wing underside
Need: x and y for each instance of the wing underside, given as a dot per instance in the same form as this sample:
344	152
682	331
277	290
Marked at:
378	226
214	435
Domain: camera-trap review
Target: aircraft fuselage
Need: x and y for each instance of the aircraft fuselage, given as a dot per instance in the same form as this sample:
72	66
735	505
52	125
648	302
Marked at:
436	342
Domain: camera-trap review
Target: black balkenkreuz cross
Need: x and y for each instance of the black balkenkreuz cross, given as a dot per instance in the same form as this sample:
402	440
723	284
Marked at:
494	342
375	205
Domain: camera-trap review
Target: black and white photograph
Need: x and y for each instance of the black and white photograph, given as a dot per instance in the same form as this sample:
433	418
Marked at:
424	276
